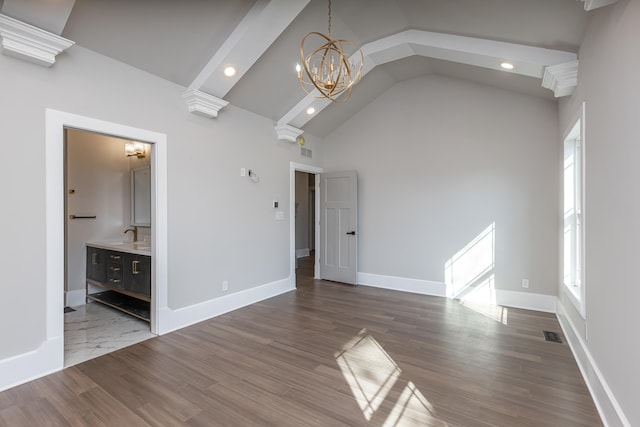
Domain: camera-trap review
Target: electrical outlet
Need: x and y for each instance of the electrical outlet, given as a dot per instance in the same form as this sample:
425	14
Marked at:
525	283
225	285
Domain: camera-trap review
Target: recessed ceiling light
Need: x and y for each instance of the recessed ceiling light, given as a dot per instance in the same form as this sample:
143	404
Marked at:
507	65
311	110
229	71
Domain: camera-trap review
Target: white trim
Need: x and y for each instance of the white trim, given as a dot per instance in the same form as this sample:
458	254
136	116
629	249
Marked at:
595	4
182	317
579	302
29	43
562	79
604	399
55	123
203	104
293	167
75	298
404	284
288	133
25	367
526	300
301	253
49	358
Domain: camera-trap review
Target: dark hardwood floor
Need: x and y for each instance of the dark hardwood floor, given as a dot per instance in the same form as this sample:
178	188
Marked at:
325	355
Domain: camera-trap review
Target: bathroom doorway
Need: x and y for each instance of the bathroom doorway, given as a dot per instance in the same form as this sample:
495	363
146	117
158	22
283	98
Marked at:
49	356
102	173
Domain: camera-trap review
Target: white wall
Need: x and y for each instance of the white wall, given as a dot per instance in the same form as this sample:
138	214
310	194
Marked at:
220	225
608	82
439	160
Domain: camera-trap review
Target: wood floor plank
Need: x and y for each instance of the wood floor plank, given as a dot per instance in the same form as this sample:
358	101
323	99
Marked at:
326	354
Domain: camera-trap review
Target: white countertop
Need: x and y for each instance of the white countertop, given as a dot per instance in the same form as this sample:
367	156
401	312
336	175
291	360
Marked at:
138	248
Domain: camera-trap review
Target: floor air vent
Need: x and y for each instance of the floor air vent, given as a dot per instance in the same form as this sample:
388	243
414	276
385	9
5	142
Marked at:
551	336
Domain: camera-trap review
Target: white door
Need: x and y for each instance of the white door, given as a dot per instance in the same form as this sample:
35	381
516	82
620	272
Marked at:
338	225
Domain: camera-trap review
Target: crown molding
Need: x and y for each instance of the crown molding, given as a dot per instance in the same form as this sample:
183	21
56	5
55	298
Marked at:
30	43
288	133
595	4
203	104
562	79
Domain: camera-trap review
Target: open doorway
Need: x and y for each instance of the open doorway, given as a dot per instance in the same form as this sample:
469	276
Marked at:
49	357
305	228
107	229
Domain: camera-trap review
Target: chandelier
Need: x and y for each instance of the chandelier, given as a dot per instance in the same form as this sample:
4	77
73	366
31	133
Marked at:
327	68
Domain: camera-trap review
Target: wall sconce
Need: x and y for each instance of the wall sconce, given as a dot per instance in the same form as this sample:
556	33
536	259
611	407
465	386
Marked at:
135	148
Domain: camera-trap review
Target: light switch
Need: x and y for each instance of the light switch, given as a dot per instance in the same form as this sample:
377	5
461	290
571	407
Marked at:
279	215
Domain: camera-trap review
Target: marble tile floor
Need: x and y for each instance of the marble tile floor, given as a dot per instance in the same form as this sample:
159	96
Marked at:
95	329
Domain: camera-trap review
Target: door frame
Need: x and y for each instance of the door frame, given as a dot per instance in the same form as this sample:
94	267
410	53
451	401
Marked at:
300	167
56	122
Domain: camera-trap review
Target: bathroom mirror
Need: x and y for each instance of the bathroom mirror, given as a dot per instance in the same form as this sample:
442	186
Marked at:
141	196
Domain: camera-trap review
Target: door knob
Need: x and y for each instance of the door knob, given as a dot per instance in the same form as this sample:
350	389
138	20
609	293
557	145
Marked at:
353	233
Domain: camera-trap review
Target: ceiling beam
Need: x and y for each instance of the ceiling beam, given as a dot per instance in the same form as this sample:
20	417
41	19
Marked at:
266	20
252	37
595	4
527	60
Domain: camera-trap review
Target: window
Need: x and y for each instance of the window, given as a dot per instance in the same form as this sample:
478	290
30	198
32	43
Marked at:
573	226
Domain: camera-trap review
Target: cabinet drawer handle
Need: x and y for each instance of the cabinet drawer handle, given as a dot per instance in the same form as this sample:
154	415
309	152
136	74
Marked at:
114	256
115	268
94	258
134	267
114	280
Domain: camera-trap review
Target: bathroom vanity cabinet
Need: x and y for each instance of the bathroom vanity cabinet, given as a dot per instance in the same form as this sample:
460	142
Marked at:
119	275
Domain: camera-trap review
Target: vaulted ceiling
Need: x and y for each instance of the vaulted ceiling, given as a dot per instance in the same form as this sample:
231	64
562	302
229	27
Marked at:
189	43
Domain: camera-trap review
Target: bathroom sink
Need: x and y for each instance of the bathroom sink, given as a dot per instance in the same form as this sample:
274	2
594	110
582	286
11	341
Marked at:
133	247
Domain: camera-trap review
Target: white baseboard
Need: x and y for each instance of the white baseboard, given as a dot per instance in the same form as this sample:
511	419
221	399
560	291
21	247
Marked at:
172	320
49	357
416	286
301	253
526	300
606	403
75	298
44	360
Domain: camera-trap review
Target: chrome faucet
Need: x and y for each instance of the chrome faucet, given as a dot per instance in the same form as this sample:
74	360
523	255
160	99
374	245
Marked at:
135	233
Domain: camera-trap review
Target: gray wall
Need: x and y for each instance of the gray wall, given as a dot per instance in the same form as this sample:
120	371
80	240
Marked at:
220	225
609	84
439	160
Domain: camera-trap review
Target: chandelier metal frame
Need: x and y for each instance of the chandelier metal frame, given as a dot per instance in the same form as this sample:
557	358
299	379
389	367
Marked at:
327	68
